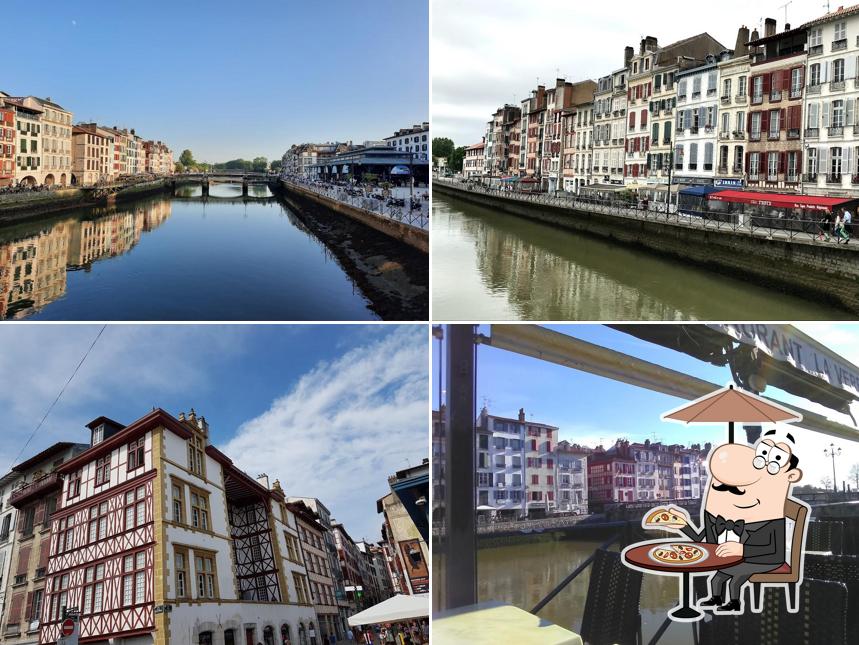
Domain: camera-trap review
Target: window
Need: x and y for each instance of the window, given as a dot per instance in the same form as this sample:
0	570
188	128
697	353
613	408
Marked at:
708	156
199	509
814	74
291	547
181	566
29	518
4	531
98	522
741	86
837	114
300	588
178	503
838	70
741	122
135	454
774	124
93	590
835	163
795	81
134	579
693	156
37	605
196	461
792	166
811	162
74	488
204	566
757	89
754	164
726	88
135	508
840	30
102	470
755	134
772	165
65	531
59	596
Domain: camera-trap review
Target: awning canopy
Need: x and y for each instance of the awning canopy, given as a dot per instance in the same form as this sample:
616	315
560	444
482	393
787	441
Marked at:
394	609
400	170
778	200
730	404
699	191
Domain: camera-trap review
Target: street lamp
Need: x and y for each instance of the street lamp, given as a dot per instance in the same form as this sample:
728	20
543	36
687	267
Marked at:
832	451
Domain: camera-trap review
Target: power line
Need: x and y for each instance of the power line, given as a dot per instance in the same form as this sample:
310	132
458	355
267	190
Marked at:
56	400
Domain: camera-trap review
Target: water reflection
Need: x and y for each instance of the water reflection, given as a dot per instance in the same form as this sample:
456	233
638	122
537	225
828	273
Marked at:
493	266
33	263
192	259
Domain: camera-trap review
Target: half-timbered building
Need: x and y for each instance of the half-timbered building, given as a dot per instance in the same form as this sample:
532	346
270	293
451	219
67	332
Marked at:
34	498
160	538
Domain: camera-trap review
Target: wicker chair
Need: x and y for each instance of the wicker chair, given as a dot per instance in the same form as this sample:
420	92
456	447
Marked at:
840	568
612	606
787	574
821	615
825	535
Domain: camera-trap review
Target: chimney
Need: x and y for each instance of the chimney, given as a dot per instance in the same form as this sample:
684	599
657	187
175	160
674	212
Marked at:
651	43
769	27
628	53
741	48
521	415
262	478
787	26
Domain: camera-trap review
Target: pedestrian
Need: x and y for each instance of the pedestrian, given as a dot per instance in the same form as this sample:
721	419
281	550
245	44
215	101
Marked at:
389	635
847	225
823	227
350	636
838	229
332	639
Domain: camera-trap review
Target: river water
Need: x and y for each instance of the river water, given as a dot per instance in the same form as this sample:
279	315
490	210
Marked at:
494	266
524	574
175	258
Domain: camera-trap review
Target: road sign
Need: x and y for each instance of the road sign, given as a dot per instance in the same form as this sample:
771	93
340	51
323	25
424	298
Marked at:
68	627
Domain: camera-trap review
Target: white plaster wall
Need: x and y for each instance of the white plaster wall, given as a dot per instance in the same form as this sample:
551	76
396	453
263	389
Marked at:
187	622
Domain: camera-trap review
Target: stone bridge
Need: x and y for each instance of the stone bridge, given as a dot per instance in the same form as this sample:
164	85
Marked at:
244	177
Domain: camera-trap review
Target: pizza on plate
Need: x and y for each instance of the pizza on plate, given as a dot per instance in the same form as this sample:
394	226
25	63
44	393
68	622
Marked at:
667	517
677	553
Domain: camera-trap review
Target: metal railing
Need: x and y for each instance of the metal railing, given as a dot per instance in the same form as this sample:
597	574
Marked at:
411	211
805	229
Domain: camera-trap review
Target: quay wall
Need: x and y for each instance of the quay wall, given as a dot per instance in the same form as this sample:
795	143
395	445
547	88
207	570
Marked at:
410	235
823	273
19	206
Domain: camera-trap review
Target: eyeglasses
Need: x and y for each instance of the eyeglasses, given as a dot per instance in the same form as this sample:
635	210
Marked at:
770	457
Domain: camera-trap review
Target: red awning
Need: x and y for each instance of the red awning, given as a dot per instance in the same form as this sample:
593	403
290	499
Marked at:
778	200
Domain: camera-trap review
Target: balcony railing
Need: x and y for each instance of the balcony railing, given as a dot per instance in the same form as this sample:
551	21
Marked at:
711	92
726	100
773	136
809	176
754	136
723	170
795	93
775	95
836	86
812	133
739	134
709	129
815	50
792	178
754	177
740	98
854	179
813	89
21	495
681	98
724	135
833	179
772	176
737	169
836	131
757	99
793	133
694	129
696	95
838	45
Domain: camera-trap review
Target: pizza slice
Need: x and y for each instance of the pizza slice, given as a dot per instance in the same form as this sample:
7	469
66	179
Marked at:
665	517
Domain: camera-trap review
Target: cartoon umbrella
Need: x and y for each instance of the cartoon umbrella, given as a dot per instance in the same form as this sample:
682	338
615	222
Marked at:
731	405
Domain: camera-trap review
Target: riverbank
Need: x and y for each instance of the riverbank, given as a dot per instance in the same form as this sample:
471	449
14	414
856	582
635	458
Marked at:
22	206
825	274
392	274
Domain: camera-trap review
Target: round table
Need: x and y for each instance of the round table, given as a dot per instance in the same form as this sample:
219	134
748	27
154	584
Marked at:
639	558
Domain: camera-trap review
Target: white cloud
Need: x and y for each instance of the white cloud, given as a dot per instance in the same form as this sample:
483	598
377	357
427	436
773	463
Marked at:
345	427
489	52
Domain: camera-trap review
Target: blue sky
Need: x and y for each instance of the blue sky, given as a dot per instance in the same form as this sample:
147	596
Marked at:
330	410
226	79
589	409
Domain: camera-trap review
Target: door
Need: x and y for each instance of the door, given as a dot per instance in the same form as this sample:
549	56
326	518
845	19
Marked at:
249	636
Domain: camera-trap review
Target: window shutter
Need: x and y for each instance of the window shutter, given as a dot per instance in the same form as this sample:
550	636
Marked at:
781	119
849	68
748	161
848	155
29	607
849	104
40	513
702	115
23	559
785	80
644	118
650	88
765	122
799	163
824	71
826	114
44	552
821	161
15	608
781	162
767	78
801	77
751	79
749	123
775	80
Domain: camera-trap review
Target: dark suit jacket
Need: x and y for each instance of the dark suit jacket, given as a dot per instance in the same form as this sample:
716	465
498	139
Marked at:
763	542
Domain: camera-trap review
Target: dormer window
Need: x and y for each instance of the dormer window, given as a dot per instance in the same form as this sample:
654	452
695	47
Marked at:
98	434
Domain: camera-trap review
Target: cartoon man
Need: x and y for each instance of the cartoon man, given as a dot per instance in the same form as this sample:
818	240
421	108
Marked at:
744	513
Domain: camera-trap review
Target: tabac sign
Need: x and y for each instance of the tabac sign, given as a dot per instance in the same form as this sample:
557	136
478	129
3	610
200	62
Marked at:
788	344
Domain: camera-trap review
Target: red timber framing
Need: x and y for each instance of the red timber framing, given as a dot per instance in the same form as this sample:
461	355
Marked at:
91	542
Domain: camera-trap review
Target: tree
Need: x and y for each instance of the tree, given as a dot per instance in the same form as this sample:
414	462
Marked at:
277	164
854	473
260	164
826	481
442	147
177	167
454	161
187	159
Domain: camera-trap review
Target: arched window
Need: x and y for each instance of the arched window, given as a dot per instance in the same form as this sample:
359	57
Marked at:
285	636
205	638
229	637
268	635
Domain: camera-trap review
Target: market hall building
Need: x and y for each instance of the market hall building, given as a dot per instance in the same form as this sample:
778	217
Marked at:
378	160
